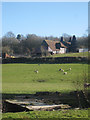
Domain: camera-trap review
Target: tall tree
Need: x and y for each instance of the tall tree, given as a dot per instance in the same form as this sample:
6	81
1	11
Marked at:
19	37
74	44
10	35
82	42
9	41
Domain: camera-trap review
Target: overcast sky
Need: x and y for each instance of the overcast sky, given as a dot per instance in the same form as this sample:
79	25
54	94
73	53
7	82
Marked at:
45	18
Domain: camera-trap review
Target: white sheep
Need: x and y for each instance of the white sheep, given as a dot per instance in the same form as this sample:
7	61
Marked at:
62	70
87	85
36	71
65	73
69	68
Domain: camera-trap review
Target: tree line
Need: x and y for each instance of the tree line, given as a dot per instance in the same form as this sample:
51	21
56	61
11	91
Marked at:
26	45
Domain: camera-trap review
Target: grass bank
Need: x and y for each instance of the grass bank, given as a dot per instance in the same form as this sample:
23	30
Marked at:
83	113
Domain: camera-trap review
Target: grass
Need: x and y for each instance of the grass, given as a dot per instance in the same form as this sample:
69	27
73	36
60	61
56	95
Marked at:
83	113
82	54
21	78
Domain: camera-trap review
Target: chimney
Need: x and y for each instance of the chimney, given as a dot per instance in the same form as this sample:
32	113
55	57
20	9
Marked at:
61	39
70	39
74	38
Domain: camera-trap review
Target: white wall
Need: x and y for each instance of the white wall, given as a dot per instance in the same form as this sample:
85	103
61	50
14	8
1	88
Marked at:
83	50
62	50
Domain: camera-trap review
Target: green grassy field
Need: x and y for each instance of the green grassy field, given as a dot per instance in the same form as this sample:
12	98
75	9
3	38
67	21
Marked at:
48	114
82	54
21	78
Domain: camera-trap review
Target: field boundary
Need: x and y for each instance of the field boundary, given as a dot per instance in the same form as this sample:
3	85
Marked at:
49	60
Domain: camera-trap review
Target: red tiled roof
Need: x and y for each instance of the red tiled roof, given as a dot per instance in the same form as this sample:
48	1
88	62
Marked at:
52	44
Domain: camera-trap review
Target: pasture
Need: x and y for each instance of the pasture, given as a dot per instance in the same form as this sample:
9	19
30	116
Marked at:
22	78
82	54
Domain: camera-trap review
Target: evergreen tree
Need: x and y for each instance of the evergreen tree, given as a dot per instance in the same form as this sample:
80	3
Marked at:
74	44
19	37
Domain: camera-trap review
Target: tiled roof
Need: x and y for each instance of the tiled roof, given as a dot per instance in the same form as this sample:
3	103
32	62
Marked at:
52	44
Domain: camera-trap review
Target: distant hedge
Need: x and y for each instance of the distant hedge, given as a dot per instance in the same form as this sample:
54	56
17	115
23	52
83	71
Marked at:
49	60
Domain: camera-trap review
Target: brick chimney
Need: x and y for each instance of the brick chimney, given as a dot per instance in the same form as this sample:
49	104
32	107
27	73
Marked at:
70	39
74	38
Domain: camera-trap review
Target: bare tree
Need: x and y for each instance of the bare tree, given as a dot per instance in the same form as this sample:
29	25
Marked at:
82	42
9	41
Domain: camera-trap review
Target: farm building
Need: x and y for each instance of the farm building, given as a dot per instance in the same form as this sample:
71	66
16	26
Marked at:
55	47
83	50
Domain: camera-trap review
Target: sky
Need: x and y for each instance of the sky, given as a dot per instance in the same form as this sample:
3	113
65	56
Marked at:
45	18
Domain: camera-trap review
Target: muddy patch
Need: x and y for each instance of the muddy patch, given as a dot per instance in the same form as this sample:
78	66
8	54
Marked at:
44	101
30	105
41	80
12	107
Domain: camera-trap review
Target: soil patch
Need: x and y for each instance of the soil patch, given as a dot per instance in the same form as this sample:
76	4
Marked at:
45	99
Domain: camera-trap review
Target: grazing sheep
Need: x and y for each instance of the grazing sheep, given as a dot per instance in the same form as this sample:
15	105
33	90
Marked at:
62	70
36	71
69	68
87	85
65	73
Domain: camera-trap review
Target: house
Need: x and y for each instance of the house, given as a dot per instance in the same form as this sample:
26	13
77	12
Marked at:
83	50
53	47
67	44
56	47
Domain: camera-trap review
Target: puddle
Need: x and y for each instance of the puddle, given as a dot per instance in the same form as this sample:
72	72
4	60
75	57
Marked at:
28	102
30	105
43	101
34	103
